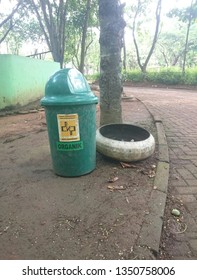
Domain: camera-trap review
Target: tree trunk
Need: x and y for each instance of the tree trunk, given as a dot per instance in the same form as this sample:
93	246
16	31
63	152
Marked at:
187	39
84	35
124	54
111	35
52	20
134	37
144	65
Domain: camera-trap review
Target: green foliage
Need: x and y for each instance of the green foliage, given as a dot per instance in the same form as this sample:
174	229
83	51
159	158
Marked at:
74	30
169	52
164	76
171	45
136	76
185	14
25	28
93	77
191	77
173	76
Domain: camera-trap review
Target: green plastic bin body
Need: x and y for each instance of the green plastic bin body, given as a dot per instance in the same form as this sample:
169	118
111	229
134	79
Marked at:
70	109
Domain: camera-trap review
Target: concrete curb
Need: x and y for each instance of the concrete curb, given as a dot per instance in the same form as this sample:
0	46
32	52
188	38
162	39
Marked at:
147	246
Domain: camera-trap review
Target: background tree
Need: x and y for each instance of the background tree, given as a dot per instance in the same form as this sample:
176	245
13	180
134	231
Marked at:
171	46
22	33
140	8
169	49
51	16
111	35
8	21
80	31
124	54
84	35
26	34
188	15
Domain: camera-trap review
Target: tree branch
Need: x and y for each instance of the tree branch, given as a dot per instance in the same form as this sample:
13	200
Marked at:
41	23
7	32
134	38
12	14
158	15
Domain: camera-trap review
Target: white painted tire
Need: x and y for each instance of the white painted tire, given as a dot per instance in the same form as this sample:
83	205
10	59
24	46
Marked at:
136	143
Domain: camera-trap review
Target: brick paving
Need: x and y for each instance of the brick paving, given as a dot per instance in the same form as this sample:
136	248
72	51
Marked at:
178	111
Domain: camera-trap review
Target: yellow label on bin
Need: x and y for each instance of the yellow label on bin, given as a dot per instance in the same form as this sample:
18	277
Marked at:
68	127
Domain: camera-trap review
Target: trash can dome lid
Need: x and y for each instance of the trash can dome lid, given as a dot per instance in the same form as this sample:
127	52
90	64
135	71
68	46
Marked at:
68	86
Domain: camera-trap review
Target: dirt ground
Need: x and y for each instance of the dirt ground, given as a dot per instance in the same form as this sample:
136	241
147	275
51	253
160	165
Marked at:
44	216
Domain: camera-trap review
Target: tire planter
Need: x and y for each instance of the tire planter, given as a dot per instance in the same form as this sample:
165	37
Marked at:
124	142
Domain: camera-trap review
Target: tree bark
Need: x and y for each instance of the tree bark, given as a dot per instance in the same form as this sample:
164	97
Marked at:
111	35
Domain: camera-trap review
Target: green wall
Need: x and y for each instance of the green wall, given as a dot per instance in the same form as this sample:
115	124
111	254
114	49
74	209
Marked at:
22	79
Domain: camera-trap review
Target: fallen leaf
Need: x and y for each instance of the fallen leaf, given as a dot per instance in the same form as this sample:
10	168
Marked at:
143	171
127	165
116	187
151	174
112	180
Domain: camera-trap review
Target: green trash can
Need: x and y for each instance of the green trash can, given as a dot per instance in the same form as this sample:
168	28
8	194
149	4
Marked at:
70	108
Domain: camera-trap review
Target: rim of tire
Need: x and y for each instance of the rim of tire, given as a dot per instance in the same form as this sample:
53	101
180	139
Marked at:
124	142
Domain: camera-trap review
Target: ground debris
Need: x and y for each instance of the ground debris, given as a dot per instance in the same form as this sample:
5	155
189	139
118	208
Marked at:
151	173
13	138
175	212
116	188
113	179
143	171
127	165
4	230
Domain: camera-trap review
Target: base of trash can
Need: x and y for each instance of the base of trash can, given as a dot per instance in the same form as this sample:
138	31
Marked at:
77	174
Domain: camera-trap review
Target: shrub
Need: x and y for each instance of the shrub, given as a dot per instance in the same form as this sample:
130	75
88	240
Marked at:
165	76
191	77
93	77
135	76
151	76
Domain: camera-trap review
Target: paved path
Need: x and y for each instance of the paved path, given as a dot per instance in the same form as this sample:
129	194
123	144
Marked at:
178	111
